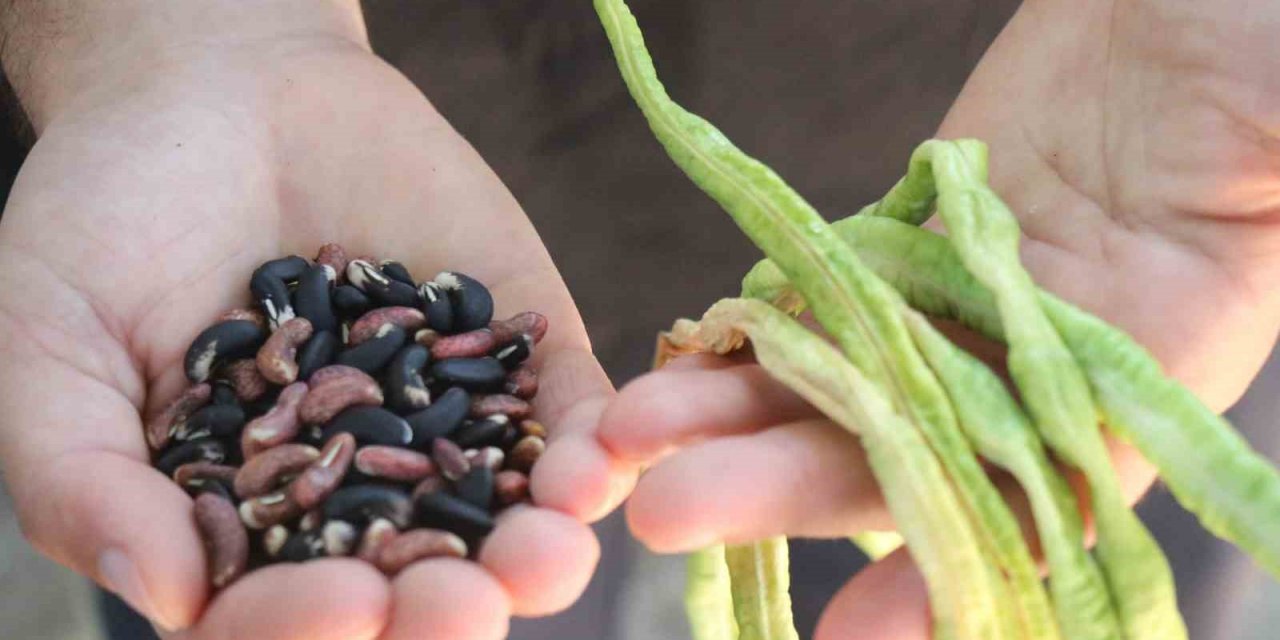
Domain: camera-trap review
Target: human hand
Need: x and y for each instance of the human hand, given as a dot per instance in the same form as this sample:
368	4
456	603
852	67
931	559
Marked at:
138	215
1132	142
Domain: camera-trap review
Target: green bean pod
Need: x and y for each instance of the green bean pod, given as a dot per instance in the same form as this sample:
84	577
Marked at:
1002	434
854	306
760	581
963	590
708	600
1211	470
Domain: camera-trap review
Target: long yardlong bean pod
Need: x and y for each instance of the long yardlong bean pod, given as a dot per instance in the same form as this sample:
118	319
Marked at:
1003	435
760	580
708	600
854	306
1211	470
920	498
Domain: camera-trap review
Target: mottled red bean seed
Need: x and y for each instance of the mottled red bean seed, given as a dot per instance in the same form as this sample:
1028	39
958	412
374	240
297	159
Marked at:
472	344
530	322
510	487
419	544
533	428
430	484
337	387
376	537
523	382
451	460
278	425
332	255
266	471
246	380
323	476
500	403
226	542
526	453
278	357
272	509
252	315
162	427
369	324
394	463
426	337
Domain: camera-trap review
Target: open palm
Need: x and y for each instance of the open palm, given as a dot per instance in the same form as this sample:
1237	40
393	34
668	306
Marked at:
136	221
1137	142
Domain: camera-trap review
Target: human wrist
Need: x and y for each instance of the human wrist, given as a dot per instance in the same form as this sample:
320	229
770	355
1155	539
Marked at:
90	50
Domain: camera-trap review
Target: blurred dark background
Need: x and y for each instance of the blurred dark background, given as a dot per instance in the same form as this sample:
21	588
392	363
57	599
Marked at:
833	95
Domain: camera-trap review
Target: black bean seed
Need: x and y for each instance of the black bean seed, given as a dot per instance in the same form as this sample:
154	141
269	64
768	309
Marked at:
211	485
217	420
472	302
350	302
436	304
375	353
510	436
440	419
405	390
302	546
393	294
362	274
370	425
477	487
226	340
397	271
286	269
313	436
224	393
514	353
272	294
319	351
311	299
486	432
199	450
439	510
473	374
361	504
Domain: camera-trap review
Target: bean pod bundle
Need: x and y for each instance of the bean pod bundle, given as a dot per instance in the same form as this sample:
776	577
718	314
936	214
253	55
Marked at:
352	412
928	413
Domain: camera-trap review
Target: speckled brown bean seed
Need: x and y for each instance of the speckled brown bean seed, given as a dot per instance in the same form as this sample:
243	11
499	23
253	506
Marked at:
225	540
419	544
394	463
472	344
162	427
278	356
246	380
526	453
483	406
337	387
510	487
533	428
277	426
450	459
376	536
532	323
367	326
268	470
523	382
324	475
332	255
272	509
252	315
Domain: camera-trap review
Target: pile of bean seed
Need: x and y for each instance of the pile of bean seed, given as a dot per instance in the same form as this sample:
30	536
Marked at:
352	411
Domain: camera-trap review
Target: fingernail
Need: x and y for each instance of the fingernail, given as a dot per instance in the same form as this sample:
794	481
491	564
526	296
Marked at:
123	579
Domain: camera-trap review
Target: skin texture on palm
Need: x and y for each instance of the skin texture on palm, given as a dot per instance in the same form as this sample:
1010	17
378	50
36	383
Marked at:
133	224
1136	141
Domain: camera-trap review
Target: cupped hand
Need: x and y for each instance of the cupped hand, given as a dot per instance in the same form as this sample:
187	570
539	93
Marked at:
1137	142
136	221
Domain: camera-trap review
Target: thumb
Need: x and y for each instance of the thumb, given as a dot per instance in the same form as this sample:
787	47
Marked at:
73	455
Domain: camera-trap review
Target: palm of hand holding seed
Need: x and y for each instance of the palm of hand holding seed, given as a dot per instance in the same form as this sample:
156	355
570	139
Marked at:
1147	193
135	223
